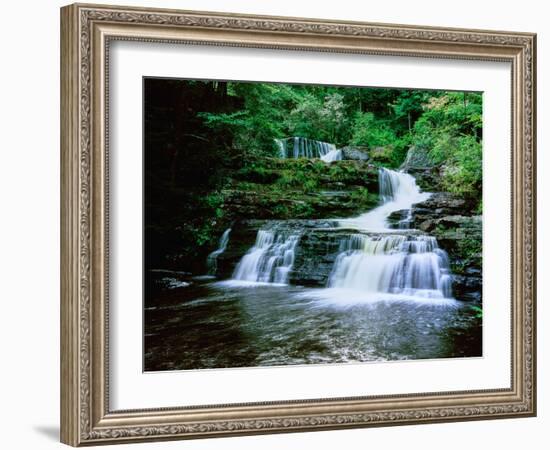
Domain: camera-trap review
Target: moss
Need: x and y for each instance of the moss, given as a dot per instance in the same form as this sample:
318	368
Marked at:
303	210
302	188
257	174
470	249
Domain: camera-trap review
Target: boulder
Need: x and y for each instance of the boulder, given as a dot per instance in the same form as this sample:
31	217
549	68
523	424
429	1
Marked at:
417	158
355	153
381	154
418	163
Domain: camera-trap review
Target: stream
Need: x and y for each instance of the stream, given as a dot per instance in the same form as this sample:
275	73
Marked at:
232	324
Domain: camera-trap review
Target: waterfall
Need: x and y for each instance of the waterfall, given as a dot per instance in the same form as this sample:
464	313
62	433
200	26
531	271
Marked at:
212	260
270	259
396	264
332	155
398	191
406	264
299	147
281	144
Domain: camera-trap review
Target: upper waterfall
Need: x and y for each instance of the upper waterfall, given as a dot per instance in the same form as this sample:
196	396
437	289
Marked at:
270	259
299	147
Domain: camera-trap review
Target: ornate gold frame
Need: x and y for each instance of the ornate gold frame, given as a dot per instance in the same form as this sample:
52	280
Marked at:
86	31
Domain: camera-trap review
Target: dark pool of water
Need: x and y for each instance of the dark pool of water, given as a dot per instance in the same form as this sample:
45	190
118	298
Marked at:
208	324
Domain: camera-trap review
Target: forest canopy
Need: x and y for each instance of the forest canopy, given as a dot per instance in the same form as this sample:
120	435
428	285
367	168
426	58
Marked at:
447	124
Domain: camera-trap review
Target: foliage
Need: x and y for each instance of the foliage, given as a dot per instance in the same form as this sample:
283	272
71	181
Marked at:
387	121
362	196
257	174
470	250
321	118
451	128
477	310
371	132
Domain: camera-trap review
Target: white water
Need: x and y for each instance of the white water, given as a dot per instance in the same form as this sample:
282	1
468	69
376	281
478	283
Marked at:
270	259
212	260
332	155
298	147
410	265
398	191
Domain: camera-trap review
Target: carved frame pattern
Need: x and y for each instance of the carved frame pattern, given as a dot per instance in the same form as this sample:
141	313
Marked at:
86	418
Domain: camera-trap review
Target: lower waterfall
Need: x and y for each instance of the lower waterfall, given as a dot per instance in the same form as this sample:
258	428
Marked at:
212	260
410	265
270	259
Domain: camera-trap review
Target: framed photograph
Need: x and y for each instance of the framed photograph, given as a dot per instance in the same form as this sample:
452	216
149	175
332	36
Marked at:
276	224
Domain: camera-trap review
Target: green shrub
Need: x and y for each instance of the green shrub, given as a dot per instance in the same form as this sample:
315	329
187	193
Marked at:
371	132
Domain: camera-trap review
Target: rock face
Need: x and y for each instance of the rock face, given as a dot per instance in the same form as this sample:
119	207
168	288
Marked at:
355	153
417	157
427	178
315	257
458	230
315	254
440	204
461	236
341	189
419	165
321	203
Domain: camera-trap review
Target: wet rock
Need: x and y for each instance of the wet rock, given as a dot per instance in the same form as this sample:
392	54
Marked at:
444	203
315	257
467	288
355	153
427	179
451	221
417	158
313	236
427	225
419	165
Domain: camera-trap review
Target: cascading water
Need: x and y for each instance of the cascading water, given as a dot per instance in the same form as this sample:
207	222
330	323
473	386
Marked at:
212	260
396	264
270	259
299	147
408	264
398	191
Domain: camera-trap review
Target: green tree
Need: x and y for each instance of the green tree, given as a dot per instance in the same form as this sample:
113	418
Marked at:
451	129
320	118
